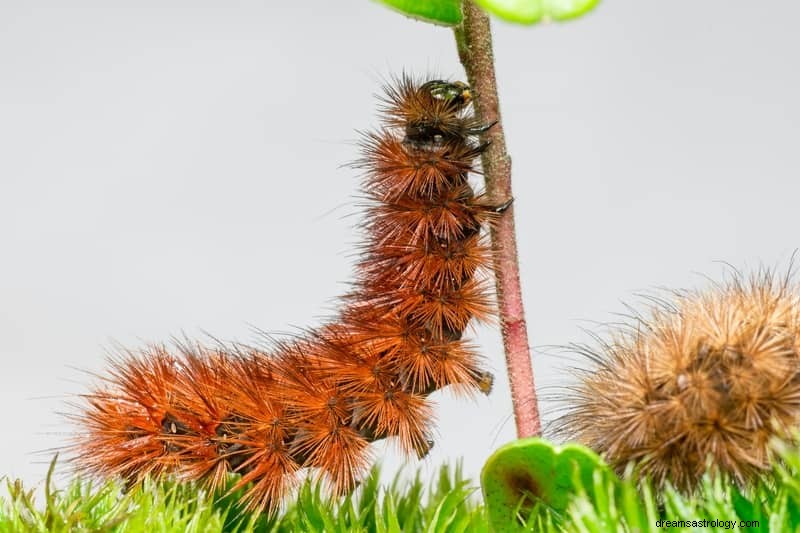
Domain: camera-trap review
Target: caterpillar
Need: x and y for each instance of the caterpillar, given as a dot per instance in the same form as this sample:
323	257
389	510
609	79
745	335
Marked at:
703	382
317	400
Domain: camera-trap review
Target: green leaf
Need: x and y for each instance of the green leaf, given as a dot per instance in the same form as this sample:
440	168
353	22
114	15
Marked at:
532	476
443	12
534	11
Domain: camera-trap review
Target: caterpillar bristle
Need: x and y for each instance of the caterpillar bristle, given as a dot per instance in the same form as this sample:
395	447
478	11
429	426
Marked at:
703	383
123	420
202	402
318	400
262	429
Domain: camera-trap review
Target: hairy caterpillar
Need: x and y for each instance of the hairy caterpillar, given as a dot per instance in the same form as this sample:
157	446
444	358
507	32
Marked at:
702	382
318	400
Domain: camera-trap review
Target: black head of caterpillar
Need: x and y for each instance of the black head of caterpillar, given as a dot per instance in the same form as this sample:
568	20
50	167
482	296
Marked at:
445	100
431	113
456	93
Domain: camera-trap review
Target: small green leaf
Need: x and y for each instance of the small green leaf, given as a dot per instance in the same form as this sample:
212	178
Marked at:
532	476
533	11
443	12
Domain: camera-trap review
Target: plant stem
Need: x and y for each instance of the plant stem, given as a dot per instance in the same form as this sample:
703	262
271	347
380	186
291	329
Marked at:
474	41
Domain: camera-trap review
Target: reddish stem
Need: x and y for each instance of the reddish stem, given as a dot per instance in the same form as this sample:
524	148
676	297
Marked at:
474	41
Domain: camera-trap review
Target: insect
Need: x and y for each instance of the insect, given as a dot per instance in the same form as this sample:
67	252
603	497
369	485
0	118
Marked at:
319	399
704	382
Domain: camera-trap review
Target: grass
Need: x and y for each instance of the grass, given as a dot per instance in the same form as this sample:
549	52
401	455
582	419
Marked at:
773	505
447	504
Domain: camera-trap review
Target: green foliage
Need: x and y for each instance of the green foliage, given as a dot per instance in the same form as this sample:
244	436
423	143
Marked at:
443	12
448	12
82	507
718	505
600	502
166	506
535	11
531	476
582	496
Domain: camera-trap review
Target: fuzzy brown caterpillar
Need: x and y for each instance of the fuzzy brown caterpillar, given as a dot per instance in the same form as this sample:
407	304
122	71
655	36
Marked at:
318	400
702	384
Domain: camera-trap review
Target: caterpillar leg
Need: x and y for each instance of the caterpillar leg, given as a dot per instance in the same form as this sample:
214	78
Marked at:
503	207
481	129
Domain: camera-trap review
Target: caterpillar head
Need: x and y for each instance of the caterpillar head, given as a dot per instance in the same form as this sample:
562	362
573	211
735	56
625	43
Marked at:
436	112
456	93
431	113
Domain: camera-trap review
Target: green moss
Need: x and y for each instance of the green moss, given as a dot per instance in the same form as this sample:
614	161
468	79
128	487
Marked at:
582	496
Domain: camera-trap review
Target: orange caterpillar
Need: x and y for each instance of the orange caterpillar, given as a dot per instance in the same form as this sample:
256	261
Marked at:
318	401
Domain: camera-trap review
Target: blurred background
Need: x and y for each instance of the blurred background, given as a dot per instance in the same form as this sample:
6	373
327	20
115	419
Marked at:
172	167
